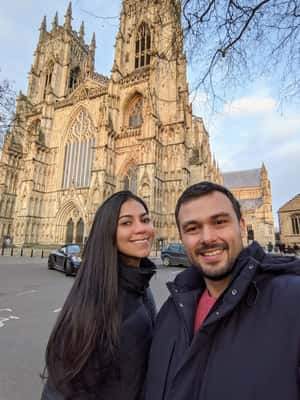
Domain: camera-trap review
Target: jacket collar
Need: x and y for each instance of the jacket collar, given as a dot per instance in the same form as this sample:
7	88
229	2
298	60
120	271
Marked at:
189	286
191	278
136	279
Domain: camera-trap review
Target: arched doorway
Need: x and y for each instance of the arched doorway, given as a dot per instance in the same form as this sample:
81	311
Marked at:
79	231
70	231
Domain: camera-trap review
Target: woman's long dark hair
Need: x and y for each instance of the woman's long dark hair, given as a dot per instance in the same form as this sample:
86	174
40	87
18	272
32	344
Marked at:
87	332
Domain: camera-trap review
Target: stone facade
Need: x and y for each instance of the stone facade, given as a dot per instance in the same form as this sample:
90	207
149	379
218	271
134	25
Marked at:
80	136
289	222
253	190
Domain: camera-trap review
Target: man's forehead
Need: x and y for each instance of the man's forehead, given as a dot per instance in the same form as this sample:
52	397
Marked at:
208	205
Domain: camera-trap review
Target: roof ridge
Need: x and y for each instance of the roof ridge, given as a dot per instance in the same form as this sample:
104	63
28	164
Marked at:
242	170
289	201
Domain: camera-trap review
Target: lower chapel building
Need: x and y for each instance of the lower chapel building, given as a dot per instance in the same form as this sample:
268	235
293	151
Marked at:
252	188
79	136
289	222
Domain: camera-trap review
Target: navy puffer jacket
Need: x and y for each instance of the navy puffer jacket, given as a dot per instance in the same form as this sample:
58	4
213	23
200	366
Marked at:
248	348
139	313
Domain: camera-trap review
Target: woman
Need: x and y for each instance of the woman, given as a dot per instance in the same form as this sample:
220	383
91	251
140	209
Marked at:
99	346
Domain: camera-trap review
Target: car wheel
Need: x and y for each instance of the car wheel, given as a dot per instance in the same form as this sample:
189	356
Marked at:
68	268
51	262
166	261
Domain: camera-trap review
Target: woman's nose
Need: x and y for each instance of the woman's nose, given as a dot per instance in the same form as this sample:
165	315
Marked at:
139	226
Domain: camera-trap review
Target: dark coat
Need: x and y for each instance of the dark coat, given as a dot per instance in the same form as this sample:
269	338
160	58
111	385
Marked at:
248	347
138	316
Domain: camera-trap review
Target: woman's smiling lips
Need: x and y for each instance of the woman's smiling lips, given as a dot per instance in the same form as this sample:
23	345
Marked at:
143	240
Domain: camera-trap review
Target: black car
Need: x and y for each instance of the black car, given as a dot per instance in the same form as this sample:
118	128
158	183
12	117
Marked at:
174	254
66	259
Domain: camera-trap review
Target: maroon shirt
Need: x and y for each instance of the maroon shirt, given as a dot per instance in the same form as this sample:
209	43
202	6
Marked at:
205	304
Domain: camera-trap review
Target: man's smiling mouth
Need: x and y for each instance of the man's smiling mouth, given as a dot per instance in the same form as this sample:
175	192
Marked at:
212	253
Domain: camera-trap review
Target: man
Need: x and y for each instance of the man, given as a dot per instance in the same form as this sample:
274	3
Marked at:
231	328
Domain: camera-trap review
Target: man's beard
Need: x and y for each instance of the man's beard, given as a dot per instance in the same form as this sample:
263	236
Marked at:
219	275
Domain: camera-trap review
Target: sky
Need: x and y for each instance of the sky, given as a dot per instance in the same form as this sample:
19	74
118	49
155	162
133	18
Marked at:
253	128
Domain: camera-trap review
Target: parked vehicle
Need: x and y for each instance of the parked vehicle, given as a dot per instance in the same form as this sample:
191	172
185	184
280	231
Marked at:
7	241
174	254
66	259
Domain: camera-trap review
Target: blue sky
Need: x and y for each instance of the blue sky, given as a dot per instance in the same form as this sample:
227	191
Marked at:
251	129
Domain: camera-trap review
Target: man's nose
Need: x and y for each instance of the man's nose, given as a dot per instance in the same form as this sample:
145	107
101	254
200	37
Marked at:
208	234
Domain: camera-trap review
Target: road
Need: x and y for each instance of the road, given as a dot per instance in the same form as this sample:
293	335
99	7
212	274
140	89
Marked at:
30	299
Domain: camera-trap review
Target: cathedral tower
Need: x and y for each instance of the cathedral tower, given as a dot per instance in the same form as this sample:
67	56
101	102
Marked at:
154	118
62	60
80	136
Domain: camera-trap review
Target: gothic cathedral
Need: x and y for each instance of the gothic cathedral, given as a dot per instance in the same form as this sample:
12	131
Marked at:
80	136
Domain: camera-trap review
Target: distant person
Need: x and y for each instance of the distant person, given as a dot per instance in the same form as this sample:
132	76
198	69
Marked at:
282	248
296	248
270	247
99	346
230	328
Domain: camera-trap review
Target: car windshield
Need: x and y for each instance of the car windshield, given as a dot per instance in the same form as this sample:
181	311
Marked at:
181	249
73	249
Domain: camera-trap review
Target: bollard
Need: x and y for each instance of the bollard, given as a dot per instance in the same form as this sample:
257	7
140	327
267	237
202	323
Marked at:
12	251
42	256
31	255
21	254
2	252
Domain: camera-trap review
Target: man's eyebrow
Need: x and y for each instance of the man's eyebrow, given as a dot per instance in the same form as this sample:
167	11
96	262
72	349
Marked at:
214	216
189	222
220	214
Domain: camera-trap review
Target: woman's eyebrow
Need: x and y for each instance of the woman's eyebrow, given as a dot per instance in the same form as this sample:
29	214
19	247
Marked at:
131	216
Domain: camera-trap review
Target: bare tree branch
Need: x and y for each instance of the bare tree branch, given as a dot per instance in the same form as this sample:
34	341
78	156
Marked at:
7	107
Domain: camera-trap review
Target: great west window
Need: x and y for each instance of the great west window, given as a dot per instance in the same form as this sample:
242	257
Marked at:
79	152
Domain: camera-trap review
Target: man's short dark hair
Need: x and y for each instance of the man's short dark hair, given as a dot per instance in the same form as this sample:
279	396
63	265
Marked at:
202	189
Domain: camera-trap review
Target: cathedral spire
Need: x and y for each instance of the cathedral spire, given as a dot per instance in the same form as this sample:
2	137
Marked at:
55	22
91	63
68	17
81	32
93	43
43	29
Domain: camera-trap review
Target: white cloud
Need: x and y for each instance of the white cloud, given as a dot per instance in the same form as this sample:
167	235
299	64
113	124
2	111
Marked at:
250	105
288	152
282	127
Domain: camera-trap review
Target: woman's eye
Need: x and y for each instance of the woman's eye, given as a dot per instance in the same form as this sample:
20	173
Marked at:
125	223
146	220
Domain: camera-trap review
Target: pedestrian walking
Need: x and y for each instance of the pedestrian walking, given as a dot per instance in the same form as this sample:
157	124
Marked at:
230	328
98	349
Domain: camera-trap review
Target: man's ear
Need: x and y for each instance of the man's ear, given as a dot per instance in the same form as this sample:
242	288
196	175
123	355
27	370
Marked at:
243	227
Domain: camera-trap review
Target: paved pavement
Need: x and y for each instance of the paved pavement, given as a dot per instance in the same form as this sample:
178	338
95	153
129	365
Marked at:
30	299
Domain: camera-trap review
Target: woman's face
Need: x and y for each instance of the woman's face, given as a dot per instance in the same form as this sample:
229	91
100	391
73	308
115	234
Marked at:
135	233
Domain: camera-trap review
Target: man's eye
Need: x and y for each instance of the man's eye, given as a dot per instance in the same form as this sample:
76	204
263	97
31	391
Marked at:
220	221
190	228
